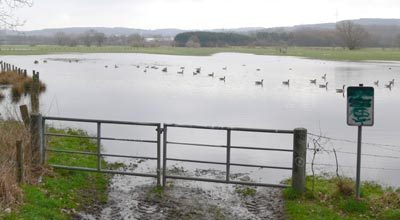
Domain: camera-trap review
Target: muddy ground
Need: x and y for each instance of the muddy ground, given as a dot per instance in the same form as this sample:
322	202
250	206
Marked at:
133	197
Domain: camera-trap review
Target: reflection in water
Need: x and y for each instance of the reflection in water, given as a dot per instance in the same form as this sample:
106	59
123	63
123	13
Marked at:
138	90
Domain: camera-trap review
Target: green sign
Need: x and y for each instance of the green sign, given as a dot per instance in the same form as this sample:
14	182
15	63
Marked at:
360	106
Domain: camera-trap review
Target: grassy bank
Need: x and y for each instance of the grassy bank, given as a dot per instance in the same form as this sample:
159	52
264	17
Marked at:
62	193
324	53
333	198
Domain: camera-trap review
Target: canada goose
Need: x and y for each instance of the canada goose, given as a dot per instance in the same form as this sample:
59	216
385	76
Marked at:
391	82
258	69
115	66
340	90
211	74
259	82
180	72
323	85
44	61
313	81
324	77
222	78
36	62
224	68
165	69
137	66
198	70
389	86
285	82
106	66
145	70
376	82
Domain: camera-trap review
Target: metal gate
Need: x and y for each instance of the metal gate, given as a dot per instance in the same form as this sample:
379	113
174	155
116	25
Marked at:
99	154
298	152
228	163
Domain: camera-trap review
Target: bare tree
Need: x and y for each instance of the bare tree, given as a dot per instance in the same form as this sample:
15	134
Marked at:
99	38
7	17
352	35
136	40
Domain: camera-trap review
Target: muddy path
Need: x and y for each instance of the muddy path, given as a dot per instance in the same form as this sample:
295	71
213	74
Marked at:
138	198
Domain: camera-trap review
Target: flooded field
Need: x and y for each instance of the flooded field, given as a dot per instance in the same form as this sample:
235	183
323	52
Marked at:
134	87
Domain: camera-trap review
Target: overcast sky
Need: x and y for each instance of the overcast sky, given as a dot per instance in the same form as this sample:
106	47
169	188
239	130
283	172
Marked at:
199	14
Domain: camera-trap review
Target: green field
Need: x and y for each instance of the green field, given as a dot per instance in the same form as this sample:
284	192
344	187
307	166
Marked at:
324	53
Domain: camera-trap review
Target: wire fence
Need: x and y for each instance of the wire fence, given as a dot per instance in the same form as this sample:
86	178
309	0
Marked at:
388	147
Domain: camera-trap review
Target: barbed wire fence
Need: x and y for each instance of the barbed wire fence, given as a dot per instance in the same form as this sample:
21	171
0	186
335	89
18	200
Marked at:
320	142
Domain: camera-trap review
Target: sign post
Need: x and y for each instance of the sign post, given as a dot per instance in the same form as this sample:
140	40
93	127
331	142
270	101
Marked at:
360	112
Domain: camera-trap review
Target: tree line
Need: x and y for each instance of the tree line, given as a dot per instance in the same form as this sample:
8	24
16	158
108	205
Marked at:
346	34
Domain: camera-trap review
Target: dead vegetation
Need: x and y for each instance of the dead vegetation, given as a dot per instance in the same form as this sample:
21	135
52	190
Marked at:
20	84
10	132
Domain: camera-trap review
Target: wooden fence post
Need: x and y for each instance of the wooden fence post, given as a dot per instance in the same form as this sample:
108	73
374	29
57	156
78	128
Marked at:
20	162
24	114
35	93
299	159
36	139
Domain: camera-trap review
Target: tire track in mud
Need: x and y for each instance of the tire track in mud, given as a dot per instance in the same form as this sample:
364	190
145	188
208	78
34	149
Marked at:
138	198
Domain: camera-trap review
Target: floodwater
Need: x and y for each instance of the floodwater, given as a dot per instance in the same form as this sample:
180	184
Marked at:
87	89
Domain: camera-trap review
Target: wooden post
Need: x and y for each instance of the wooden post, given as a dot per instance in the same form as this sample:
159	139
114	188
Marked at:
35	93
36	138
299	159
20	162
24	114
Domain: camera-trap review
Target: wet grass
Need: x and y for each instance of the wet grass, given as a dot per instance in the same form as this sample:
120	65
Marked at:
323	53
62	192
333	199
20	84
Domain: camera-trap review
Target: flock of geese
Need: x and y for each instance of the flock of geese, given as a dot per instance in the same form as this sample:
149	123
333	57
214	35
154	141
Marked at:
260	82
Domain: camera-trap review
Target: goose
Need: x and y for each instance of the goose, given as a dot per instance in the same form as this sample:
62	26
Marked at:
115	66
324	77
391	82
389	86
285	82
313	81
165	69
323	85
137	66
198	70
259	82
258	69
222	78
376	82
195	73
36	62
106	66
44	61
145	70
224	68
340	90
211	74
180	72
182	67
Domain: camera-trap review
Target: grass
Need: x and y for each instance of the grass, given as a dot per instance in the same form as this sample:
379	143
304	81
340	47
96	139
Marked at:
331	199
63	191
324	53
246	191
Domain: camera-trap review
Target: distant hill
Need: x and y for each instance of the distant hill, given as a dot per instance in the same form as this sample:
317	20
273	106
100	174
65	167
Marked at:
171	32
